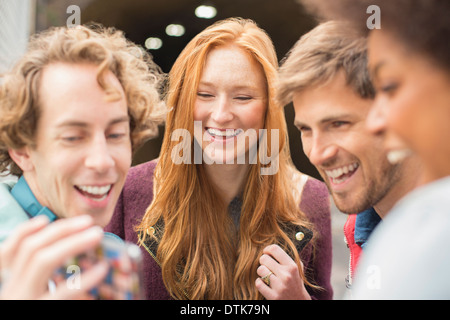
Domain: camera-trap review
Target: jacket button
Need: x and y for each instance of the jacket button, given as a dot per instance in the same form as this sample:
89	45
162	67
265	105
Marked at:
150	231
299	236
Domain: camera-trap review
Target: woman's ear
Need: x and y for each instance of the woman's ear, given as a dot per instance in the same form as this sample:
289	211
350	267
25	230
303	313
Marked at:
22	158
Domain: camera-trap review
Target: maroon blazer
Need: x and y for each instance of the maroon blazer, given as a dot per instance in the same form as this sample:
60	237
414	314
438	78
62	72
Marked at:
138	194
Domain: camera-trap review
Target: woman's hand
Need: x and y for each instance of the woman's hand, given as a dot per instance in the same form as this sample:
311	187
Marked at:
285	282
30	255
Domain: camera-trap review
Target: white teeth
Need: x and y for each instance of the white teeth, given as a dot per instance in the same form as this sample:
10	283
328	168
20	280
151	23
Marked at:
96	191
335	173
224	133
397	156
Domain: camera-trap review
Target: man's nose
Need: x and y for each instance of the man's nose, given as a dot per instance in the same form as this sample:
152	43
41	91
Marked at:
99	157
321	150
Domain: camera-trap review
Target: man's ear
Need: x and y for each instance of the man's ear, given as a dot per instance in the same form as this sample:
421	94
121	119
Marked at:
22	157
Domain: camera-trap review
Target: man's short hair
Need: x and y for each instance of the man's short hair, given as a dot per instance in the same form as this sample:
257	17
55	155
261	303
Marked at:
319	55
106	48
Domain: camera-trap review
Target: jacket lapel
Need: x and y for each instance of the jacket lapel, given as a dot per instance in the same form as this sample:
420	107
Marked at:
299	235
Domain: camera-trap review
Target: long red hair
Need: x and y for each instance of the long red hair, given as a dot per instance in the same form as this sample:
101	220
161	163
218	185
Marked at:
201	253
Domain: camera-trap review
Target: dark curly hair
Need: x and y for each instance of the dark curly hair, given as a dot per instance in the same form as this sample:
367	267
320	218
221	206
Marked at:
422	26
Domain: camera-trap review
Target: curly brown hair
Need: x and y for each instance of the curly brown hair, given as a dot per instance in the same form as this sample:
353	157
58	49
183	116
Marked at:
106	48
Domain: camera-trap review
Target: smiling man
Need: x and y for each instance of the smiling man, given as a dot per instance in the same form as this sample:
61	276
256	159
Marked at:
72	111
325	76
81	157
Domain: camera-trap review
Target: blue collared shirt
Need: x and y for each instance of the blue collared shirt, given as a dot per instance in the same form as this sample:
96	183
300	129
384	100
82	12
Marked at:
25	197
366	222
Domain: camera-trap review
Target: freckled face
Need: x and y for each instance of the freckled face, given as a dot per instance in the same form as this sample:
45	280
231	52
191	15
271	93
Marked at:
231	103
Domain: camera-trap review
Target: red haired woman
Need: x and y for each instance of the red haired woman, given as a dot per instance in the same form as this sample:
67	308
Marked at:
227	225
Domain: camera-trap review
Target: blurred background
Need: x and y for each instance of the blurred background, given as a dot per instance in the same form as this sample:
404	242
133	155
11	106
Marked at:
164	27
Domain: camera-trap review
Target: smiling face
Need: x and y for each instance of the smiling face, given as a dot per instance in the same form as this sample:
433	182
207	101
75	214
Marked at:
412	102
231	103
332	122
83	148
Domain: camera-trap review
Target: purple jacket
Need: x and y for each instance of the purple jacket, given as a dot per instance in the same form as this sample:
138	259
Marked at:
138	194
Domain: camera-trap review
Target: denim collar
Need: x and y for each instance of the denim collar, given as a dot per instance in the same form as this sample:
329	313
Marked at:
366	222
25	197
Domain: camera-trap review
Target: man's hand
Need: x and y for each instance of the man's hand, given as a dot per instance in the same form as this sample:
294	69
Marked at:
30	255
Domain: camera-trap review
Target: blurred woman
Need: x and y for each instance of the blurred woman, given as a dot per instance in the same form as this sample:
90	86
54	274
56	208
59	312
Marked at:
409	58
